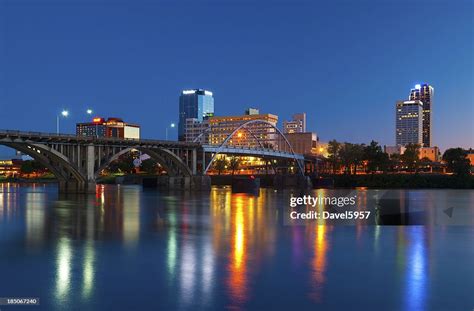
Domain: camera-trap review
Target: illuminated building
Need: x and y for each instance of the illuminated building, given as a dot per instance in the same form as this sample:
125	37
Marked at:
112	127
409	122
424	93
255	135
10	168
303	143
196	104
296	125
432	153
470	156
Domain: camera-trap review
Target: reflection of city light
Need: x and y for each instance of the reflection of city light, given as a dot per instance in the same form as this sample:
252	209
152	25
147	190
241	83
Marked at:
63	273
88	270
172	245
237	280
416	279
131	216
188	270
319	262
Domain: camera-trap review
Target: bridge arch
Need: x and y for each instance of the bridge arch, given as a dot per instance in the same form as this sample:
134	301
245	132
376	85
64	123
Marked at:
245	126
54	161
171	162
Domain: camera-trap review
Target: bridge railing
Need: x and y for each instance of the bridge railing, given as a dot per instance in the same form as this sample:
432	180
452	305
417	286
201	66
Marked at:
89	139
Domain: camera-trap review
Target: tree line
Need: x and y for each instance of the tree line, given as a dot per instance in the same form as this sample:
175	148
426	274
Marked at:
371	158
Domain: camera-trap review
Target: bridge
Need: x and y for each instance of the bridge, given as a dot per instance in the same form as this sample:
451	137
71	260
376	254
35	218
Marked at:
77	161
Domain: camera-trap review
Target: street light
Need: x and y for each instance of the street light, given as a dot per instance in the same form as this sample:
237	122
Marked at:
89	111
65	114
172	125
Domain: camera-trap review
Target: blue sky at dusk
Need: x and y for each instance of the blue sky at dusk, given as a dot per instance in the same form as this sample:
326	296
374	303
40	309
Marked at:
344	63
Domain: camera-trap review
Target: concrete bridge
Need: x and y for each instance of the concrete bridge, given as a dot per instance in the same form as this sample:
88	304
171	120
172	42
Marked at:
77	161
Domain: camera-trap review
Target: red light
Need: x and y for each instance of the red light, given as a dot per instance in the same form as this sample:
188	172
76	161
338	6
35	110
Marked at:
97	120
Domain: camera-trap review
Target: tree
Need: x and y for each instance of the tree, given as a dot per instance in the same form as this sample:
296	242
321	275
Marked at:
124	164
234	164
410	156
31	166
220	164
351	156
149	166
377	160
333	150
457	161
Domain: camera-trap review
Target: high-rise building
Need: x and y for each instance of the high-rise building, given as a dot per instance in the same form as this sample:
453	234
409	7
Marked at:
424	93
409	122
112	127
195	104
296	125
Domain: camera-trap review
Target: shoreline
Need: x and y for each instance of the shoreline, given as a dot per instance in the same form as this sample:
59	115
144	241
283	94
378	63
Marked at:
376	181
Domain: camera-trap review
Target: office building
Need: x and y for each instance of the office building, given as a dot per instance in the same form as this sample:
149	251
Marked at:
303	143
296	125
409	122
424	93
251	136
194	128
194	104
112	127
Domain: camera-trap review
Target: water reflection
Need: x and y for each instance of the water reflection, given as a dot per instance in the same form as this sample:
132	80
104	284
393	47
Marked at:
319	264
217	249
63	269
238	258
416	278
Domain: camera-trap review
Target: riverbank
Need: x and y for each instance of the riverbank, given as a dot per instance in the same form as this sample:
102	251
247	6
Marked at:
404	181
382	181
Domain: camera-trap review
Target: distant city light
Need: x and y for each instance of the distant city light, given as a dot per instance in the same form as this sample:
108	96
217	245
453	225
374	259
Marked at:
65	113
418	86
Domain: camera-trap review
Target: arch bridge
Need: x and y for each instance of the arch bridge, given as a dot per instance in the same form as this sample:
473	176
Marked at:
77	161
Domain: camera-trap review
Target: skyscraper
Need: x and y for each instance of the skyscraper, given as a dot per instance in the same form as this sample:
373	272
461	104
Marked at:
409	122
197	104
424	93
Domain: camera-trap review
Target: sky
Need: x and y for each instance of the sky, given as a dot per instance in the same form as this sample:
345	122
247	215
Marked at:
344	63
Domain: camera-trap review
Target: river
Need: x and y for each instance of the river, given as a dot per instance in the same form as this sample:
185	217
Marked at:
129	249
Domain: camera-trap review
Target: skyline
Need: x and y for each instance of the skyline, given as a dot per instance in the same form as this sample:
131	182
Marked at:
341	70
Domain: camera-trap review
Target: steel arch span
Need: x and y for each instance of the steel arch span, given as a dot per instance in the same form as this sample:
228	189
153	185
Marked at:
263	151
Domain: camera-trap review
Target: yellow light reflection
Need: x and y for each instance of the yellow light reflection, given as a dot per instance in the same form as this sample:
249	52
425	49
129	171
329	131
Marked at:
237	268
319	262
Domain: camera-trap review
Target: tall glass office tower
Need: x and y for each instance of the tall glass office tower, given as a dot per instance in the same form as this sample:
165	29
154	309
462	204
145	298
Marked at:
197	104
424	93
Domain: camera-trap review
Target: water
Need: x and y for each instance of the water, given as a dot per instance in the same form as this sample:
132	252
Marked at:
126	249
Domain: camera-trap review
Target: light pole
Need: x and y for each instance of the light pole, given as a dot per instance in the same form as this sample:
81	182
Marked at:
64	113
172	125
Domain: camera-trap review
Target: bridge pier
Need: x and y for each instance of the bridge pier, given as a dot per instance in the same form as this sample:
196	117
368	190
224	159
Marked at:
73	186
201	183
